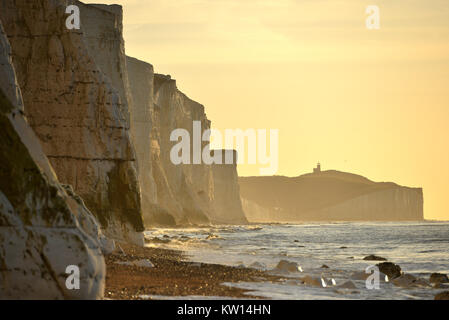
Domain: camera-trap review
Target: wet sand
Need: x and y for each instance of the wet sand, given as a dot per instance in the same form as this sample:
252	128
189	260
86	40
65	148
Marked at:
172	276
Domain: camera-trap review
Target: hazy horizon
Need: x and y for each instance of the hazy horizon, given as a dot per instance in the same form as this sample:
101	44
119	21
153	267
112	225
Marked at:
369	102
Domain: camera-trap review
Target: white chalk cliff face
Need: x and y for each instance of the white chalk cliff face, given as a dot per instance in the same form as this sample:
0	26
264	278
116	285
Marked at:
329	196
42	229
227	204
102	27
191	185
141	78
185	194
77	108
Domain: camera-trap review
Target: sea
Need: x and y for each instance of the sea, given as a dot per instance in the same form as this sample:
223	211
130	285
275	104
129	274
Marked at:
419	248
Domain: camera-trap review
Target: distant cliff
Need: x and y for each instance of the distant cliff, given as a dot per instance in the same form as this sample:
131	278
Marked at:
185	194
330	196
191	185
227	204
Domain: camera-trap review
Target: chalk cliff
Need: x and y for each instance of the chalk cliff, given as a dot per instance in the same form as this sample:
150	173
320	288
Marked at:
76	103
104	121
141	77
191	185
227	204
328	195
85	152
102	27
172	194
42	228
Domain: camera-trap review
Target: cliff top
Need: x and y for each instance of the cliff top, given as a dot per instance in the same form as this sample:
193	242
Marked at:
323	175
162	80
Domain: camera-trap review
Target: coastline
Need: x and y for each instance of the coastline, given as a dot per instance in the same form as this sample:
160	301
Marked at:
336	252
172	276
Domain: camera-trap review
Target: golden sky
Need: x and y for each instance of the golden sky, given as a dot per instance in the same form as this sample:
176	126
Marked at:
371	102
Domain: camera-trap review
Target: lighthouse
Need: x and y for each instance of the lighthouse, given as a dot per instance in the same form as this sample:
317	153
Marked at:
318	168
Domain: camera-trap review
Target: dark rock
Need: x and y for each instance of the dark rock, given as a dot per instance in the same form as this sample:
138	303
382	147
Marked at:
372	257
442	296
409	281
438	278
343	247
390	269
324	266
